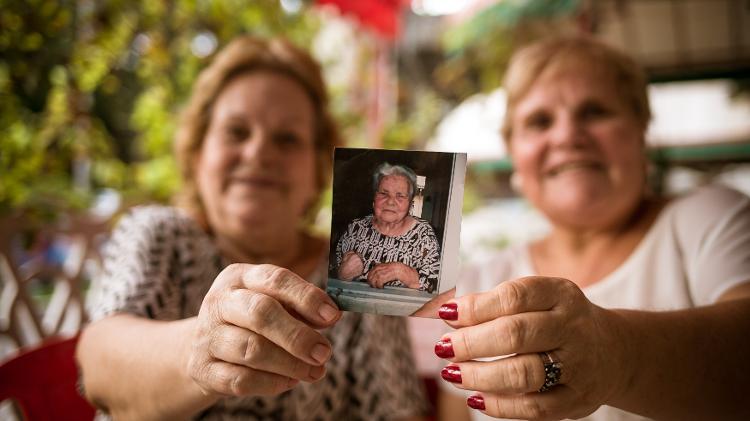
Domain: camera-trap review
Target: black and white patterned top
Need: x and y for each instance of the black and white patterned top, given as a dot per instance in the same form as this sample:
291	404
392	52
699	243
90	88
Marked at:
417	248
159	264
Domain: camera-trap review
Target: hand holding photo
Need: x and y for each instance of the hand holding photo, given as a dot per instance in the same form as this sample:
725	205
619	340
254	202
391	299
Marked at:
394	233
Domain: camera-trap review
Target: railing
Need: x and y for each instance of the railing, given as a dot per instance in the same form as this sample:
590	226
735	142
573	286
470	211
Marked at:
44	274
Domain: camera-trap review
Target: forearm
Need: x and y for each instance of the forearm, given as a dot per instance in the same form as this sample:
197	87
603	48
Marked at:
136	368
686	364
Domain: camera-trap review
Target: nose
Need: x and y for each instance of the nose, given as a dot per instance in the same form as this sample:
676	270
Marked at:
567	131
259	147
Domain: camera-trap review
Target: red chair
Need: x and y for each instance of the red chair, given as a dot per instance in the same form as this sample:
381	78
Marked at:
43	381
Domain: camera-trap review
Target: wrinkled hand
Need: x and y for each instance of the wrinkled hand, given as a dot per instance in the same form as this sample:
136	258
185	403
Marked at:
351	266
256	334
383	273
524	317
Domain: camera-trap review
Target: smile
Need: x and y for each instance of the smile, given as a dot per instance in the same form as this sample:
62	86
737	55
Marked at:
573	166
256	183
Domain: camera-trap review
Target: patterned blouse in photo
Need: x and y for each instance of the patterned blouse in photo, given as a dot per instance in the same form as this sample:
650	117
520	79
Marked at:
159	264
417	248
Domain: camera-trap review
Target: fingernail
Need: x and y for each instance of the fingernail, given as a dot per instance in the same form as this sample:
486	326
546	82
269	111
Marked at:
476	402
451	373
291	383
444	348
448	311
316	372
327	312
320	353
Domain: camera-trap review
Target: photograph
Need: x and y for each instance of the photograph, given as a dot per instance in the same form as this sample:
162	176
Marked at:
395	228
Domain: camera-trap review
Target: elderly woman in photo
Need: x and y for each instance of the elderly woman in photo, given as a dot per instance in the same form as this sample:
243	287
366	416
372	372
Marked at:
390	247
214	310
633	305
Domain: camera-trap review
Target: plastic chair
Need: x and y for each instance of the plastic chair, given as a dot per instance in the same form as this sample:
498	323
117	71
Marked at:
43	382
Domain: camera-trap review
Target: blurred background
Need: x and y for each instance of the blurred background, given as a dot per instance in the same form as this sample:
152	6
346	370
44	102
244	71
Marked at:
90	92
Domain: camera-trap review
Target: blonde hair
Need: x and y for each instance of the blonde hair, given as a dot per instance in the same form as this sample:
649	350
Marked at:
244	55
550	56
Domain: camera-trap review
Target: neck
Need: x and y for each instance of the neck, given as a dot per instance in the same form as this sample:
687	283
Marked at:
391	228
284	250
577	240
587	256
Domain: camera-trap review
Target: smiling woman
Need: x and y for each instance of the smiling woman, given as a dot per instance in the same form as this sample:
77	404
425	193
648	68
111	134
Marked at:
216	310
577	114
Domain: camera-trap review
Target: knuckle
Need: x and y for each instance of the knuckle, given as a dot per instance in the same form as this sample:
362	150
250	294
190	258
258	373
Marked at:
513	333
462	342
511	295
279	279
470	309
253	352
533	410
260	307
522	378
233	270
238	383
298	337
569	289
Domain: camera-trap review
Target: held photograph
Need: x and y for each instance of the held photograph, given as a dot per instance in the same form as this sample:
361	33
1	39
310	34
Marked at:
395	228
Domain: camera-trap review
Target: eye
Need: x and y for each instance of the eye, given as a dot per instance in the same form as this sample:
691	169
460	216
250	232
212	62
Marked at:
287	139
401	197
237	133
538	121
593	111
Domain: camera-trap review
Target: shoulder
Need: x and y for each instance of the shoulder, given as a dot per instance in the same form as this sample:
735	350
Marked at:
155	223
707	206
423	225
157	217
361	222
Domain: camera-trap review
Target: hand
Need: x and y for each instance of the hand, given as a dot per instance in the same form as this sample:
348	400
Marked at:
351	266
255	332
383	273
521	318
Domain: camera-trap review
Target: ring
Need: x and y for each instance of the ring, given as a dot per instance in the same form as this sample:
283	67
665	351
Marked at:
552	371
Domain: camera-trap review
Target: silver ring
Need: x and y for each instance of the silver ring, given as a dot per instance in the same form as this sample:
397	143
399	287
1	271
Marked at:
552	371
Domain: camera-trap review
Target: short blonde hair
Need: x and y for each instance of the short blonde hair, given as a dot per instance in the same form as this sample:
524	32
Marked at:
552	55
243	55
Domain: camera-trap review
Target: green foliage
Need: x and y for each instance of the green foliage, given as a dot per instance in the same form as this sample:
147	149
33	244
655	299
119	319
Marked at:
90	90
478	50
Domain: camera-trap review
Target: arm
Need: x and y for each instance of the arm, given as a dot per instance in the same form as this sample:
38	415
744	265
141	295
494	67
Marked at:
351	266
424	273
152	356
693	360
429	265
244	342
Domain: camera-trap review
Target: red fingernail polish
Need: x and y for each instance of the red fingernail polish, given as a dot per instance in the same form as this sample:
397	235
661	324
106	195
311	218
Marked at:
451	373
476	402
444	348
448	311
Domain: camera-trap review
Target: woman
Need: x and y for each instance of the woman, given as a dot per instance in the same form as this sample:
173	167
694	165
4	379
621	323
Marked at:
390	247
633	306
179	332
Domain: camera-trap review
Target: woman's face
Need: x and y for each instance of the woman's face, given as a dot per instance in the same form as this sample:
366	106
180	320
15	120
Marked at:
579	150
391	202
256	168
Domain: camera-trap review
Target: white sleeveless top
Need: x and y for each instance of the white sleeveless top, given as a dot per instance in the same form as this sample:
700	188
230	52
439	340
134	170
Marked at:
697	249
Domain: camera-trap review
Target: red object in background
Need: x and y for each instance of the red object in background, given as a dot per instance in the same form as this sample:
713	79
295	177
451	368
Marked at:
43	381
384	16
